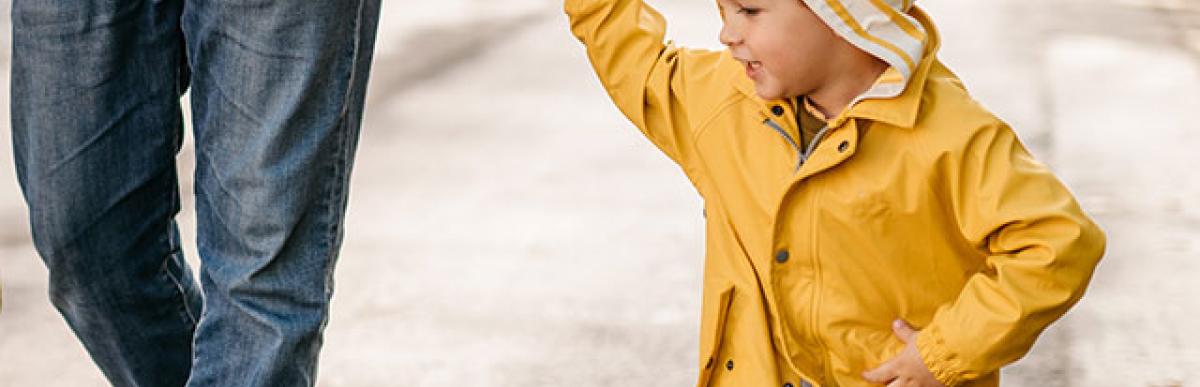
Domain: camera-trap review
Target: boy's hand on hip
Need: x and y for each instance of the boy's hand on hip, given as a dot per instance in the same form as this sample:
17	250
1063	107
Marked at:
906	369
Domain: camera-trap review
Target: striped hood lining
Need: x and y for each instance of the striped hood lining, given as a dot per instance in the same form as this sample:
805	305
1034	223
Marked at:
882	28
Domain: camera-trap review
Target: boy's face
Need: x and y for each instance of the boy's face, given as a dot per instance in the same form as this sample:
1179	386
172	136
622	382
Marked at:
784	46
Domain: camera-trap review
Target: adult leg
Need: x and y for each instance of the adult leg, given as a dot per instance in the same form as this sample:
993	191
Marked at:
96	125
277	95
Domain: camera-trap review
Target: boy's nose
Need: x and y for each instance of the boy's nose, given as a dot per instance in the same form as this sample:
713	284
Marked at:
727	36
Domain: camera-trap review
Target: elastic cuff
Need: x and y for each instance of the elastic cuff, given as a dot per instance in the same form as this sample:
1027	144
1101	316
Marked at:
946	366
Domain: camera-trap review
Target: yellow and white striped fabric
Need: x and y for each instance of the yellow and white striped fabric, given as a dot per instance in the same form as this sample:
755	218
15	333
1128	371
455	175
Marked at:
882	28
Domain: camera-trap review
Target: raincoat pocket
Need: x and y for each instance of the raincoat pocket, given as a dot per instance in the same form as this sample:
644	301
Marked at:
712	331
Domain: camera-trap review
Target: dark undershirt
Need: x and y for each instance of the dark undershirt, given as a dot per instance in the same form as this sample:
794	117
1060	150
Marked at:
809	124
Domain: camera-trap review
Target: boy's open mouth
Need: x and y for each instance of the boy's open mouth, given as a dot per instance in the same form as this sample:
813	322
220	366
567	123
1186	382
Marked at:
753	68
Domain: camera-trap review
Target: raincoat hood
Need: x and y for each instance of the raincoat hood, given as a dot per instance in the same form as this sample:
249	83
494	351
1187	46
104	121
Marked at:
882	28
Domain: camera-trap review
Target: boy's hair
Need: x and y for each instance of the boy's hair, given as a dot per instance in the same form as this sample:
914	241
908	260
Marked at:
881	28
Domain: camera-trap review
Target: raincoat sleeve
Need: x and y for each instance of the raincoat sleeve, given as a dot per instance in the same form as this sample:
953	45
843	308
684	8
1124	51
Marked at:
646	78
1041	251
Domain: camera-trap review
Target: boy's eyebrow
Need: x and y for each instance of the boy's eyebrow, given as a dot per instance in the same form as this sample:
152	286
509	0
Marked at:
724	5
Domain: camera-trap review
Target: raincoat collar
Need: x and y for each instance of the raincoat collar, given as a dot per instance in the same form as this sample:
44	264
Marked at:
901	110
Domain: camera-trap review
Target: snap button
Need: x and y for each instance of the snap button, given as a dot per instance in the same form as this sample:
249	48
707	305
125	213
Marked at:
777	110
729	365
787	385
843	146
805	383
782	256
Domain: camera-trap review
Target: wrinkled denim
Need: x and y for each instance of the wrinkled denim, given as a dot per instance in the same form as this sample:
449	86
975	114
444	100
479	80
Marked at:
277	92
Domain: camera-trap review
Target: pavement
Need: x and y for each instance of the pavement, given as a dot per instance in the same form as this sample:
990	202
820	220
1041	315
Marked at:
507	227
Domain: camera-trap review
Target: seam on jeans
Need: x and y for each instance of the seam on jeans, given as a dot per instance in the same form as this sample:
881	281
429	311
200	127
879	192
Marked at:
179	286
336	200
354	58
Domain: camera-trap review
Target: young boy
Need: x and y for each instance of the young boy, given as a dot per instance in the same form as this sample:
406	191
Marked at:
868	223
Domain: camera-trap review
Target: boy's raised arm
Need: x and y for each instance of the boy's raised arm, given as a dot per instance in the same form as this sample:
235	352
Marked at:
643	75
1042	252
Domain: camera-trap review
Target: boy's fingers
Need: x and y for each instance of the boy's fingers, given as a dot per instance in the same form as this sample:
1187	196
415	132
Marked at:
905	332
881	375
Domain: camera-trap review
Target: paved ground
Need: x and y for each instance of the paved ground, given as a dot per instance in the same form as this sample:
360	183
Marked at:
508	228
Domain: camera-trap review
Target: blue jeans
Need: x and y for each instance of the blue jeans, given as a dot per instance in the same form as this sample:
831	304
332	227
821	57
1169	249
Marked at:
277	90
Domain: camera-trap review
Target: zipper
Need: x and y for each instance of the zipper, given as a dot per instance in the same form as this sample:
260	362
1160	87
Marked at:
804	154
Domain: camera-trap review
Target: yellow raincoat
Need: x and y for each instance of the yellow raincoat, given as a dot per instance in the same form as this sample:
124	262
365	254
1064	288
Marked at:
921	206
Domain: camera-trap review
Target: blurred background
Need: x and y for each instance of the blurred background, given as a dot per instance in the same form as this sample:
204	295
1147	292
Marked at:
507	227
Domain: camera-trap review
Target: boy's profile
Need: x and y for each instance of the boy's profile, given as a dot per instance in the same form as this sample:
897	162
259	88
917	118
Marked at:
868	223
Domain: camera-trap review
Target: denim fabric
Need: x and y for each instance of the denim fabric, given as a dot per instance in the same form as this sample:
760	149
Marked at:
277	91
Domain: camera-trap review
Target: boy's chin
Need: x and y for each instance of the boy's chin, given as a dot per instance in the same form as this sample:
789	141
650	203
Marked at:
771	92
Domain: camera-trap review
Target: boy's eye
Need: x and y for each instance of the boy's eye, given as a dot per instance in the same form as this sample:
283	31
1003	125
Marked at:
748	11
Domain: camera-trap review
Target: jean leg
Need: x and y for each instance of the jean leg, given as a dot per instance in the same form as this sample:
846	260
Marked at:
277	95
96	125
